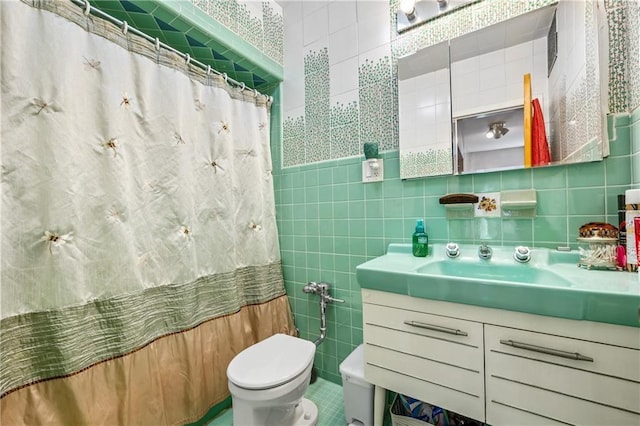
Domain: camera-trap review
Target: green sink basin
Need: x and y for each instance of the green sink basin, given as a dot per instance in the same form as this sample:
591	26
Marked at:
549	284
485	270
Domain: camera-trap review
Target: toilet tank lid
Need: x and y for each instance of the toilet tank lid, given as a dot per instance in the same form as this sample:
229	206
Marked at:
271	362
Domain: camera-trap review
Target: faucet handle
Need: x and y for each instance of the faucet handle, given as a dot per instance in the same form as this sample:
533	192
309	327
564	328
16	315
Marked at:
484	251
452	250
522	254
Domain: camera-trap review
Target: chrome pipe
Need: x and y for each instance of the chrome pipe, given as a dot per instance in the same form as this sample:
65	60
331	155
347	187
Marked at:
322	290
323	322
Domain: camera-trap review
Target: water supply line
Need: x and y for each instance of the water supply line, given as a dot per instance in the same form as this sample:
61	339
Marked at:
321	289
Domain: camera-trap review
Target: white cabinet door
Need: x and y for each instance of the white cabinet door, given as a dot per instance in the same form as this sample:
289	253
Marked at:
433	358
559	378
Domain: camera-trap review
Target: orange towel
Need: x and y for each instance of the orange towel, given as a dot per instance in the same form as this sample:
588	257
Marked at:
540	155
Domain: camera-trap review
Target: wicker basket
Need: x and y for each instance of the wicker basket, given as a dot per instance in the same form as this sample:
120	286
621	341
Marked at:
398	419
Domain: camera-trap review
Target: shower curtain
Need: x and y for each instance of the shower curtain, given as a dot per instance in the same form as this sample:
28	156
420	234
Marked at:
139	241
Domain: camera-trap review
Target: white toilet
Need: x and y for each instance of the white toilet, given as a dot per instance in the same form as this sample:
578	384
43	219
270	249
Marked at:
267	381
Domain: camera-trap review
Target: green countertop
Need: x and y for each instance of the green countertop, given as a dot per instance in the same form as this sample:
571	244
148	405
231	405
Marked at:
550	284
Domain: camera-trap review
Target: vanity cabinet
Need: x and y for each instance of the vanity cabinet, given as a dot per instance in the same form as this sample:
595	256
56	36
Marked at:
501	367
435	358
537	378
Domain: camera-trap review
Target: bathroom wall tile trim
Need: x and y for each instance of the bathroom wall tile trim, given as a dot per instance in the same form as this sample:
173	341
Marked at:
186	26
258	23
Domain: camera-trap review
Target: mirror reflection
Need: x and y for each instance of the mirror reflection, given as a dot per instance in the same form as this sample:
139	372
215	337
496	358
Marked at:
424	109
521	93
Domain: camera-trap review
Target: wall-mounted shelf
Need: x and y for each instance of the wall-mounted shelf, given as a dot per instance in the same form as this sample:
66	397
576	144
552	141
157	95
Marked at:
519	203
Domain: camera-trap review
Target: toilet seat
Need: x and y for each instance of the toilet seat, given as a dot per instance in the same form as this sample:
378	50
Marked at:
271	362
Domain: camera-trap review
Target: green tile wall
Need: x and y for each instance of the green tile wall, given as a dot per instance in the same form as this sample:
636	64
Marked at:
330	222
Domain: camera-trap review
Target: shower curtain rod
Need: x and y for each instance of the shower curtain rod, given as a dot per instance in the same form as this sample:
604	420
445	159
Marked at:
88	9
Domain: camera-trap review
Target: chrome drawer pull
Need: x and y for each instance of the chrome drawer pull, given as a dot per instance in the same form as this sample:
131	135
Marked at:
436	328
549	351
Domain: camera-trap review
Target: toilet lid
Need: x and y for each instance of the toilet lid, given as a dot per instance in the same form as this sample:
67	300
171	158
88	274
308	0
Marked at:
271	362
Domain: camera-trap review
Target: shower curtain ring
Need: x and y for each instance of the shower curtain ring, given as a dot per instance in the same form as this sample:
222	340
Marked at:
187	57
87	8
242	87
157	43
255	93
224	76
125	27
208	69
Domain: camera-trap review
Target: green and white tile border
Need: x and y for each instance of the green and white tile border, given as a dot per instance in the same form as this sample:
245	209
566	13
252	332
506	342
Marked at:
431	162
328	132
618	55
261	25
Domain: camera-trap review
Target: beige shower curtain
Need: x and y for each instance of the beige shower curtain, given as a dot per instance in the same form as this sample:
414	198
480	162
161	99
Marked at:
139	242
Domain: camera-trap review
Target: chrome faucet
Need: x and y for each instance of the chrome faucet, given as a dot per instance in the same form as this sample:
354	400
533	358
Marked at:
484	251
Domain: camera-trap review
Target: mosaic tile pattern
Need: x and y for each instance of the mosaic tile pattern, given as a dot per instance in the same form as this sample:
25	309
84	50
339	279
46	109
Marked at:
221	10
293	141
633	19
580	141
618	55
338	131
266	32
431	162
250	27
345	130
317	110
273	26
378	103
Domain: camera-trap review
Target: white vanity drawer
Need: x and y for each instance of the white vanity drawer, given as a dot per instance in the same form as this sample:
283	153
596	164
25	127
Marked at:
502	414
438	327
433	358
565	379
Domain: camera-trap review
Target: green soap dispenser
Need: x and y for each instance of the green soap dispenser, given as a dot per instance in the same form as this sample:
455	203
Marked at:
420	240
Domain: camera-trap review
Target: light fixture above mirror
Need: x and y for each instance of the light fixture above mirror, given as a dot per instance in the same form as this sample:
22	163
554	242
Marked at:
412	13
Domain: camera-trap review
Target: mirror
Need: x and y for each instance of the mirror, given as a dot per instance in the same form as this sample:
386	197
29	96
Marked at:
465	105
